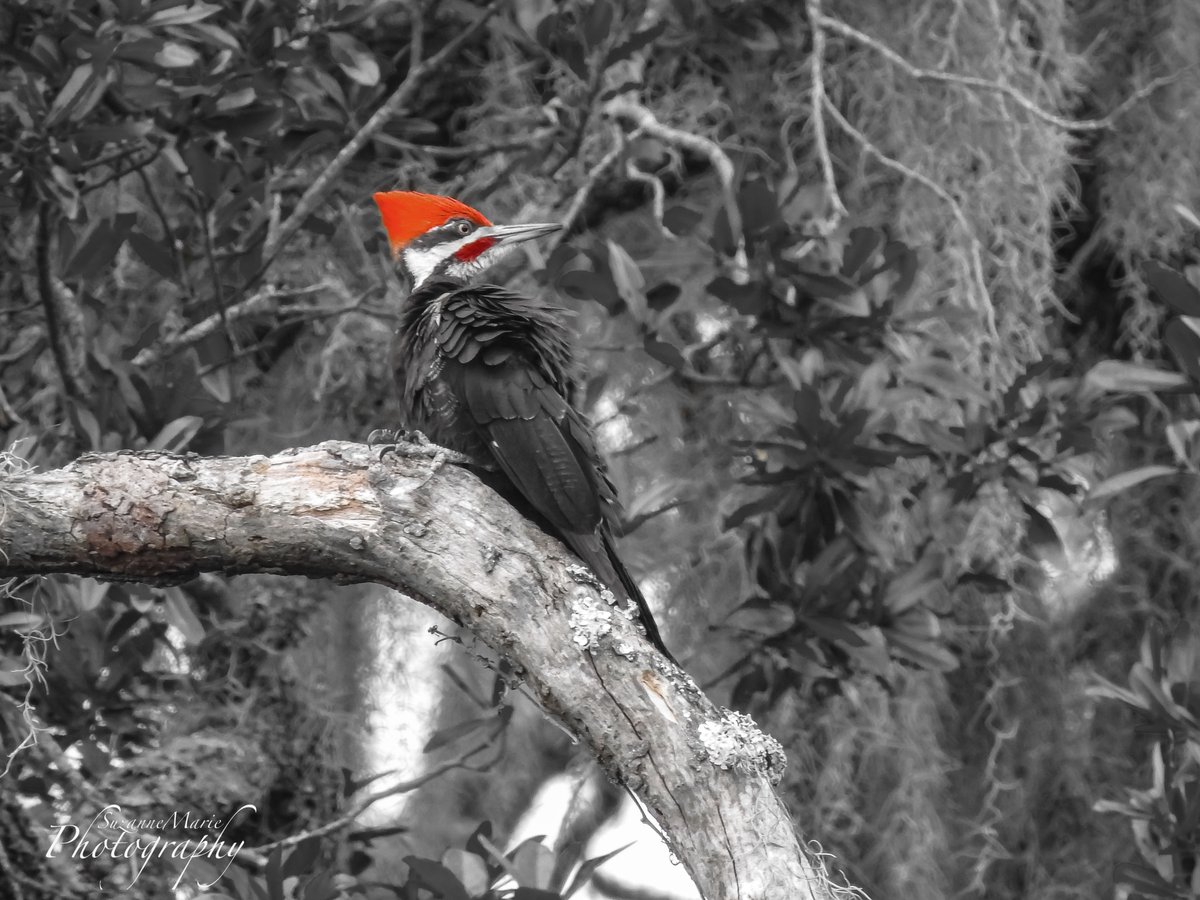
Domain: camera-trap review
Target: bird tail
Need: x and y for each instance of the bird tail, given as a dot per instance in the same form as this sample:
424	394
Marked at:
598	552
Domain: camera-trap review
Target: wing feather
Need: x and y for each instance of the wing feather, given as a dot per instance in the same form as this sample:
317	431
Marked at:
531	431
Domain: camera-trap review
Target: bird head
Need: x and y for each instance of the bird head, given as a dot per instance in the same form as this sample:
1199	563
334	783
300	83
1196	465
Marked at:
441	236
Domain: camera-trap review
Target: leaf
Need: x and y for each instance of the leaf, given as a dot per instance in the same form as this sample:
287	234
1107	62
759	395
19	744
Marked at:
1061	484
153	253
945	379
475	844
1181	437
767	503
748	299
759	206
1115	375
205	171
121	625
533	862
232	100
78	96
722	238
217	36
836	631
873	656
1173	289
183	15
452	733
90	593
467	868
218	383
860	249
628	280
251	122
912	586
178	612
928	654
95	250
986	582
597	23
588	867
437	878
1042	534
635	42
176	434
320	886
354	58
128	130
175	55
806	404
681	220
1126	480
667	354
584	285
662	295
1182	340
547	29
19	621
301	859
1145	880
274	878
571	51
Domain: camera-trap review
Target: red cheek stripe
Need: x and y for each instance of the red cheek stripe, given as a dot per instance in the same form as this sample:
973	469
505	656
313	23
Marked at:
474	250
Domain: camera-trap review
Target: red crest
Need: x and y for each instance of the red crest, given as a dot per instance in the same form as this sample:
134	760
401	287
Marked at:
408	215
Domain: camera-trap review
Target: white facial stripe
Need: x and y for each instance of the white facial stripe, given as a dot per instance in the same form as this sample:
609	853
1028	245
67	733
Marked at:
421	263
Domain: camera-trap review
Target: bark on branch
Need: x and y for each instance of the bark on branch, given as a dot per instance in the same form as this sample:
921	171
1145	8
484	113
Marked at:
441	536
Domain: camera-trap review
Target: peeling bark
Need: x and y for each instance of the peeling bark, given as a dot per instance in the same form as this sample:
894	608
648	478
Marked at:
439	535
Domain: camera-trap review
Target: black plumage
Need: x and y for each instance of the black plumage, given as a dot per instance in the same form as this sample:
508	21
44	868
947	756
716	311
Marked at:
486	372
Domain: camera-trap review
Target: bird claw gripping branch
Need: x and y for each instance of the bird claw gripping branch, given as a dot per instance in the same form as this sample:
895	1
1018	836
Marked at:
413	445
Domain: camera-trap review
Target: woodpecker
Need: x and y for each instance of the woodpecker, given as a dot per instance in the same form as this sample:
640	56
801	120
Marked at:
488	373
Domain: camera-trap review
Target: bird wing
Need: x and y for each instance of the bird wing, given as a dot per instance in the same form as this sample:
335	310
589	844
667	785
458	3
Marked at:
541	443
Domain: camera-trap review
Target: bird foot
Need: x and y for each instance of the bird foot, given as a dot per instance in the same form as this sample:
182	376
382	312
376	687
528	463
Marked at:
414	445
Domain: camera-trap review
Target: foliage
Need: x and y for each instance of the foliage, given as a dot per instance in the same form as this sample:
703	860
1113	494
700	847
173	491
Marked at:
477	871
1164	816
885	488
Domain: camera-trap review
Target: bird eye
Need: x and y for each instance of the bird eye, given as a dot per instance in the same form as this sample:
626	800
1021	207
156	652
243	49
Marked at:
464	227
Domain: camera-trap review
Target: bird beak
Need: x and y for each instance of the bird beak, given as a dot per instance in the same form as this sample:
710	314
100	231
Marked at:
516	234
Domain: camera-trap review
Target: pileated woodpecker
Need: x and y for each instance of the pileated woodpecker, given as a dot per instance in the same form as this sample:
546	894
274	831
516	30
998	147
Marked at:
487	372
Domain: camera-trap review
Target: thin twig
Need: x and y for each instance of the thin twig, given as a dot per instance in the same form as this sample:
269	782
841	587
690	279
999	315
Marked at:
168	234
818	97
52	306
575	210
984	302
261	302
416	41
984	84
658	193
120	173
215	273
529	142
647	123
258	854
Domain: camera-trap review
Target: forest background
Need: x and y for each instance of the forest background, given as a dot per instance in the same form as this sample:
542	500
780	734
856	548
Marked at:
890	335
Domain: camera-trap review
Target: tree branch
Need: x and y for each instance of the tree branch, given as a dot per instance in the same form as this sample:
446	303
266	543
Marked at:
817	97
821	21
438	534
